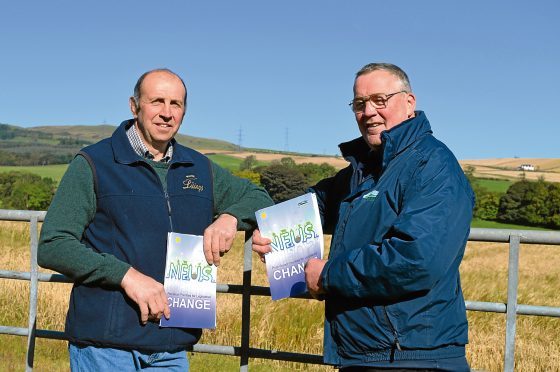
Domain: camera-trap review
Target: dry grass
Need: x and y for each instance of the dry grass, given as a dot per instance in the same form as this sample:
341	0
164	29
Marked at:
484	277
50	355
296	325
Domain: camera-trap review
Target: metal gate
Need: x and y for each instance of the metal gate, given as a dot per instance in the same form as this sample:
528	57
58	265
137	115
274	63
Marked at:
246	290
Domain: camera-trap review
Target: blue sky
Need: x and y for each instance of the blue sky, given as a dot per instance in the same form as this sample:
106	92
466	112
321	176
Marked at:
279	74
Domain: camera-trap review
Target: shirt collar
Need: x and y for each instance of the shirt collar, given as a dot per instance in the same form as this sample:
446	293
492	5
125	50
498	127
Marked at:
140	147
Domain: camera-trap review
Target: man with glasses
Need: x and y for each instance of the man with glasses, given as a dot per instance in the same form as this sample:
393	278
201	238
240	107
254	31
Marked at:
400	215
107	226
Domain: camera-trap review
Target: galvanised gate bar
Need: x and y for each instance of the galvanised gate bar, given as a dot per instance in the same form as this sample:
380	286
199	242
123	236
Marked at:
246	290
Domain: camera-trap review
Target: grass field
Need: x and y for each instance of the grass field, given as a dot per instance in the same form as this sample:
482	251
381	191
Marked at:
51	171
499	225
296	325
230	162
57	171
492	185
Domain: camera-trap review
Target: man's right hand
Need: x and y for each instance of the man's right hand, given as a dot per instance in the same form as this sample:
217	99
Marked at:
261	245
148	294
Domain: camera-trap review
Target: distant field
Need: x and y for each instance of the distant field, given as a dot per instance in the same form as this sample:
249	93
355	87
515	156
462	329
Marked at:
51	171
542	164
499	225
230	162
57	171
507	168
337	162
225	161
490	177
499	186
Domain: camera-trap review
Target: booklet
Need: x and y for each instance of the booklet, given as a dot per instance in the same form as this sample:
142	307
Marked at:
294	226
190	284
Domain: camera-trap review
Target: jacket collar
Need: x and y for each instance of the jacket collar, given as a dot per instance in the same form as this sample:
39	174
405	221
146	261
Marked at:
394	141
125	154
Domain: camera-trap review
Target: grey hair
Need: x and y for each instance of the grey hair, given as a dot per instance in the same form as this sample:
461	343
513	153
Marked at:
138	85
393	69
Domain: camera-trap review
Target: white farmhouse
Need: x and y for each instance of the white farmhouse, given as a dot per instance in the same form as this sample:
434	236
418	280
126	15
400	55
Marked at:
526	167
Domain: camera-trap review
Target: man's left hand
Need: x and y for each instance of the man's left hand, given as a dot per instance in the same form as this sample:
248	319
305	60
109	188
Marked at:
218	238
313	269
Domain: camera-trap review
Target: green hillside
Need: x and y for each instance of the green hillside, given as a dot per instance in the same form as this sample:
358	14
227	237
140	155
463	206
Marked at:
58	144
95	133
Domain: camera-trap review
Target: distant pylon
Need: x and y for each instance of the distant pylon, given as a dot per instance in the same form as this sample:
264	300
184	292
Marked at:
239	139
287	142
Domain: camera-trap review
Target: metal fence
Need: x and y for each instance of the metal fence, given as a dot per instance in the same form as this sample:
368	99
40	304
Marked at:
246	290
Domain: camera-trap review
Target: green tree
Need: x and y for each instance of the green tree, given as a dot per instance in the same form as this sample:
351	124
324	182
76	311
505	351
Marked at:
538	209
248	163
486	202
554	205
514	203
486	206
283	182
21	190
313	173
288	162
531	203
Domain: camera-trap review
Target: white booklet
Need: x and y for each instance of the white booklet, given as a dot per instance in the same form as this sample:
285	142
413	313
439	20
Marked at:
190	283
294	226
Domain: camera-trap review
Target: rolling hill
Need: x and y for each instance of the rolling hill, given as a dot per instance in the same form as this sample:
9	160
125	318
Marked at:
94	133
58	144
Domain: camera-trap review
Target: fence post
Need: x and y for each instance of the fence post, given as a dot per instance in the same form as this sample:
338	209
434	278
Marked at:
34	282
246	303
511	309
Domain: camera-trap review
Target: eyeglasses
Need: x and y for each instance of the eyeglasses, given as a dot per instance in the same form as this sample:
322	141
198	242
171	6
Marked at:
378	101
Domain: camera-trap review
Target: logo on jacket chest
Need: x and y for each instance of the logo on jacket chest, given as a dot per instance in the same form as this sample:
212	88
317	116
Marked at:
190	183
371	195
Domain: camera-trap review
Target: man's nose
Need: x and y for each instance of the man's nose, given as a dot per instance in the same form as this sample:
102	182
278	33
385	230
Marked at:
165	112
369	109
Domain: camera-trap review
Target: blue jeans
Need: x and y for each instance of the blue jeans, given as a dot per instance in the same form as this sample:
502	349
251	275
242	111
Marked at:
91	358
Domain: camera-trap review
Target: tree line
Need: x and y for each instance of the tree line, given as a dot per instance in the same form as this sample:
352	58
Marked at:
528	203
284	179
39	157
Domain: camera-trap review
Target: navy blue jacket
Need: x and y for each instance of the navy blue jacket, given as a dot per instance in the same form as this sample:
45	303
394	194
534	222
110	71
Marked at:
134	214
401	220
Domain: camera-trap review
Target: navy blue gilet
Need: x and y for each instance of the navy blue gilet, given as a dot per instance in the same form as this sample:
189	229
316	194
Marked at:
133	216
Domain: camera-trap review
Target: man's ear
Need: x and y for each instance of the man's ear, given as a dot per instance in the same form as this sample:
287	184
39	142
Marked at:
410	104
133	107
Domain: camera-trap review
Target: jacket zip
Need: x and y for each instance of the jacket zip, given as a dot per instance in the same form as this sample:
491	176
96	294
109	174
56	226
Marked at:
169	210
396	344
